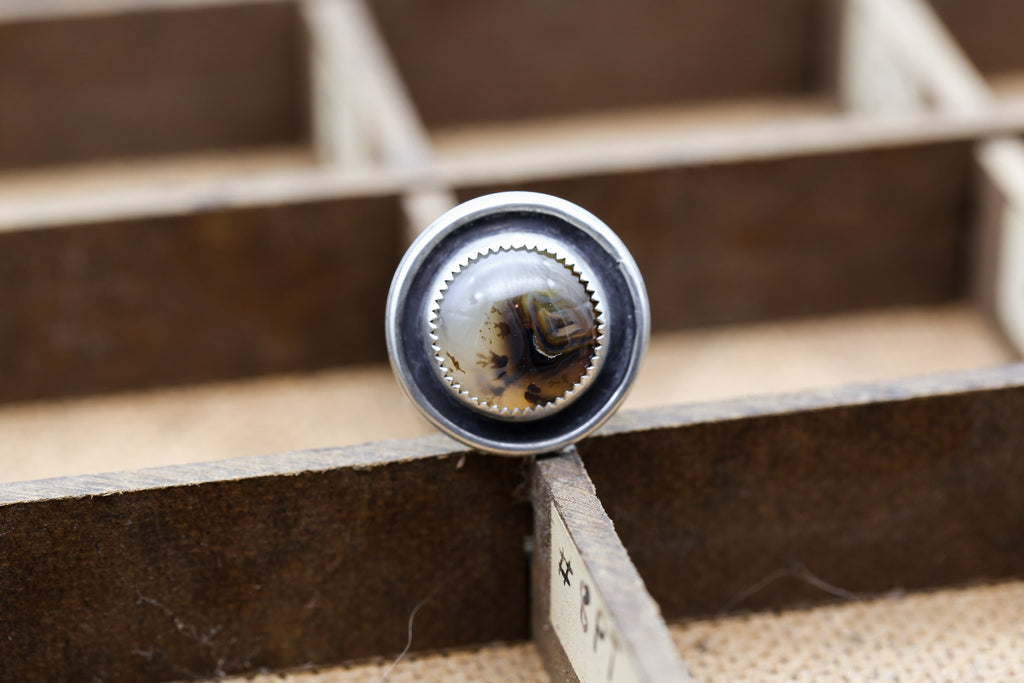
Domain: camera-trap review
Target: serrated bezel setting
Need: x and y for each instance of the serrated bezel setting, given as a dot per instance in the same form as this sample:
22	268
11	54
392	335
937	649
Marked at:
595	259
462	388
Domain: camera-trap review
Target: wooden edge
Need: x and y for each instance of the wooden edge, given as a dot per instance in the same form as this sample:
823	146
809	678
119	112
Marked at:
435	446
270	564
577	552
998	267
360	62
198	474
736	144
243	191
798	137
62	9
847	396
898	55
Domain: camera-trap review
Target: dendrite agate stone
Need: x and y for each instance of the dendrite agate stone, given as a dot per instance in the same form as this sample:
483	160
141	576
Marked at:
516	333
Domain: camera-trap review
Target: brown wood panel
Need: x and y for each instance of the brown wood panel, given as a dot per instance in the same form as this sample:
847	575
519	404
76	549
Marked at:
468	62
311	558
209	294
909	485
732	242
151	82
988	30
290	561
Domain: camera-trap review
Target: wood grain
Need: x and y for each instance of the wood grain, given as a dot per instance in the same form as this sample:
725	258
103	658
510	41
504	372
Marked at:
261	564
561	481
212	293
151	82
759	503
319	557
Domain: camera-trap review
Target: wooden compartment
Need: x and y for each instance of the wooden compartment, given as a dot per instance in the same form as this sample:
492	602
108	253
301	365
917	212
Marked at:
768	194
909	486
317	558
737	240
239	567
174	206
776	503
155	81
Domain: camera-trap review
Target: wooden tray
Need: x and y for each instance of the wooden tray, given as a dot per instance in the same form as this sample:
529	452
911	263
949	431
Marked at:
171	216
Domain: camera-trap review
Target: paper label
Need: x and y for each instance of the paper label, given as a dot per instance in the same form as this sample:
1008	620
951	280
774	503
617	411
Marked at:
581	618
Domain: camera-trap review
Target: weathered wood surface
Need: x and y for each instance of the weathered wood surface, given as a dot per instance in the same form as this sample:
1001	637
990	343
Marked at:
273	274
749	504
722	243
319	557
207	294
261	563
531	59
122	85
560	485
744	223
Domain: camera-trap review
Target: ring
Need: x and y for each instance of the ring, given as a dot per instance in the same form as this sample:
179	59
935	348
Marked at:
516	322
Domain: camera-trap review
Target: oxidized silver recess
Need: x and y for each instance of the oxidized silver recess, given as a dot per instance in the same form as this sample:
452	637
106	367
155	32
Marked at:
516	322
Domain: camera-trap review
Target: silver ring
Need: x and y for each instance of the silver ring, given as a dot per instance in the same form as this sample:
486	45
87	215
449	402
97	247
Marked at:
516	323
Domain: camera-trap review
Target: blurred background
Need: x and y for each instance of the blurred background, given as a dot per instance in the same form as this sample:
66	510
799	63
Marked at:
202	201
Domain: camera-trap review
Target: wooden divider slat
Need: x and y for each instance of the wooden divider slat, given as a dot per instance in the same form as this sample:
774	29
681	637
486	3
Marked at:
209	294
998	249
319	557
628	643
261	564
935	69
776	502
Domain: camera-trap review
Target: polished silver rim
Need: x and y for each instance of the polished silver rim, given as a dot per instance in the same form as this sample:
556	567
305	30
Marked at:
529	218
